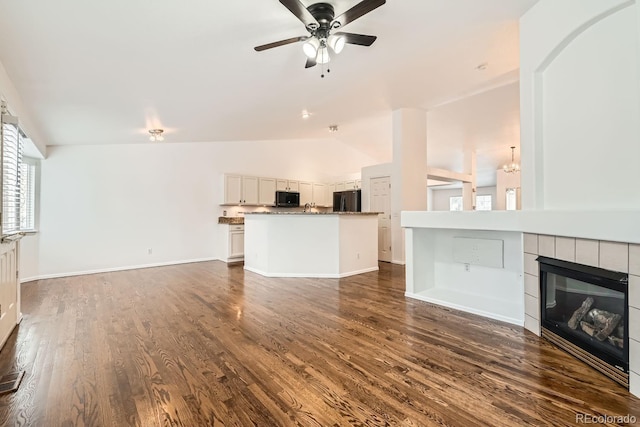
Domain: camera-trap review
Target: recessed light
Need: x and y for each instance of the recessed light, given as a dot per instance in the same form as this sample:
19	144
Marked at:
482	66
305	114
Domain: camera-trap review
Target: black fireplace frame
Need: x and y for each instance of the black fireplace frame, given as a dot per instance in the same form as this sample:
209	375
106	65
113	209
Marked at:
613	280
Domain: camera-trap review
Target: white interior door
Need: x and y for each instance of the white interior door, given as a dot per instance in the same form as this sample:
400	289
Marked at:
381	202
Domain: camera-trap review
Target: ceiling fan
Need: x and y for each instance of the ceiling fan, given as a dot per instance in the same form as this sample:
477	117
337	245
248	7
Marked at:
320	21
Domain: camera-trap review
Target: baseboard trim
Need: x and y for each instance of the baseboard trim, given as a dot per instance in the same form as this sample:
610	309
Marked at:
112	269
312	275
466	309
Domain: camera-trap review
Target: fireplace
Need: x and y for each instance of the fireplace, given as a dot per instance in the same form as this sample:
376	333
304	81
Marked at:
584	310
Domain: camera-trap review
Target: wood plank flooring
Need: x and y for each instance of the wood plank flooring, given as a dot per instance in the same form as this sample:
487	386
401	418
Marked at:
208	344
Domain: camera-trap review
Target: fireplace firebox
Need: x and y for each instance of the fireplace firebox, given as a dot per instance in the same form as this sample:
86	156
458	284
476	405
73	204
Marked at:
584	311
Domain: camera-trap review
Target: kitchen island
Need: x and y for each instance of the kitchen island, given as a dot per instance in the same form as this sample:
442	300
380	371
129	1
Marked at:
311	244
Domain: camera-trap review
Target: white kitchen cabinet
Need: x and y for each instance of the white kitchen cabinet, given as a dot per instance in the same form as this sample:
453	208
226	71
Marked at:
330	190
250	191
232	189
232	242
350	185
236	241
240	190
353	184
306	193
287	185
319	195
267	187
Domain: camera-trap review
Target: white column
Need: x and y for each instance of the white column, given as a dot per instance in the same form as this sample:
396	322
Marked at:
409	171
469	188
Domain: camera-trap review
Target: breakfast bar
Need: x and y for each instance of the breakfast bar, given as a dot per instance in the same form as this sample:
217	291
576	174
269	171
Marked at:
311	244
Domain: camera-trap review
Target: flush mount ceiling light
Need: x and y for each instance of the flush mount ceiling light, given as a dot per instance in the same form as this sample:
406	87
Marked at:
513	167
320	21
156	135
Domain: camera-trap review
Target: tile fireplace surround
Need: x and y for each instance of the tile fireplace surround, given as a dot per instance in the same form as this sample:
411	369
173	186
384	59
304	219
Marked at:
609	240
615	256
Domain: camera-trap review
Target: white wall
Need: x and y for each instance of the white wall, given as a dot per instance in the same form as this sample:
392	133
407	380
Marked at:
580	105
440	200
102	207
9	94
480	122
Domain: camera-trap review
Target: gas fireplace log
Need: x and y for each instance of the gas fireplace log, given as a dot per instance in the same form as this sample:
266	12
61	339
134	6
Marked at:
587	328
611	320
615	341
580	312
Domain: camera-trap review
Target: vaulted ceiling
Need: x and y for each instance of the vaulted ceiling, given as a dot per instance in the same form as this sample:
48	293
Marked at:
106	72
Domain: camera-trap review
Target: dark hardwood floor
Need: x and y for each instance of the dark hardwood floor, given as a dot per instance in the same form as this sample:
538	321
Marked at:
208	344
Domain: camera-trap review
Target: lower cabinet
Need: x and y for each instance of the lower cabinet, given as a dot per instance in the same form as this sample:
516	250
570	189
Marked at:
232	242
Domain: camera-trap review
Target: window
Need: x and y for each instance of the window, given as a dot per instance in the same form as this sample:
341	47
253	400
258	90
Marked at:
28	194
18	180
455	203
511	199
483	203
11	162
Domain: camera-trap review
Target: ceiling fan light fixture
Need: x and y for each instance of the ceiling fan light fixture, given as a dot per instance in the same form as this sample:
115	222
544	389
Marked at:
310	47
323	55
337	42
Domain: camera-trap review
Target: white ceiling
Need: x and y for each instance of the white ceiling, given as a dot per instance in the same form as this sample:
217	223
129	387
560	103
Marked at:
106	72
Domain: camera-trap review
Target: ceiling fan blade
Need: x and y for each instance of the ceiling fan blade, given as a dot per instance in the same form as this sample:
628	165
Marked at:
300	11
280	43
362	8
359	39
311	62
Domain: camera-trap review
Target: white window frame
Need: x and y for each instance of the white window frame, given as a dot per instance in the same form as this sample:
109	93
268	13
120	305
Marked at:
480	198
455	203
13	223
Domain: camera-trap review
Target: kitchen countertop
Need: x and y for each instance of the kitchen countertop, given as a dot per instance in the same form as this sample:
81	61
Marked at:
312	213
234	220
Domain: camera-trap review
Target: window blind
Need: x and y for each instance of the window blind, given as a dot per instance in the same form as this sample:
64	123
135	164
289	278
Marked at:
27	196
12	146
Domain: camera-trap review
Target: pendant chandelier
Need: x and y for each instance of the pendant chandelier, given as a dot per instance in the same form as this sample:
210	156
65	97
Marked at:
513	167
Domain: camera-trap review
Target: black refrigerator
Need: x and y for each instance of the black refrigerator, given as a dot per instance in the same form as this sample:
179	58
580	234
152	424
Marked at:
347	201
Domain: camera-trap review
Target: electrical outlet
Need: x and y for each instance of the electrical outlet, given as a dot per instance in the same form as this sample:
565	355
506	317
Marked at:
150	251
467	267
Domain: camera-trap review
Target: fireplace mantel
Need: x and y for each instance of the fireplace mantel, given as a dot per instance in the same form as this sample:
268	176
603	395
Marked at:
615	226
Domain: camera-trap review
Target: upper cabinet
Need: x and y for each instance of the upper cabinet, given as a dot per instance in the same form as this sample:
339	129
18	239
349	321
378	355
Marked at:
250	192
353	185
232	189
306	193
240	190
287	185
319	195
259	191
267	187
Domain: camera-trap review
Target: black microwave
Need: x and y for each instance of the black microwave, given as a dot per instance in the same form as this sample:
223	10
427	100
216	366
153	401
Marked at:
287	199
